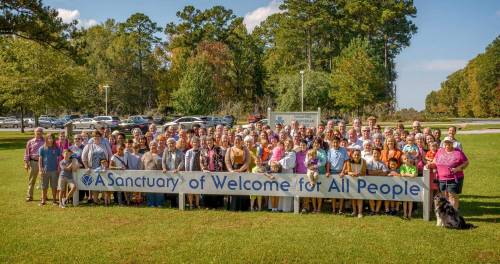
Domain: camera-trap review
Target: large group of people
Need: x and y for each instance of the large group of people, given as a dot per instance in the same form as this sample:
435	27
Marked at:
362	150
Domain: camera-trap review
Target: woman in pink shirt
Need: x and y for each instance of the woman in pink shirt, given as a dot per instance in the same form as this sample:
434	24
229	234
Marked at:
450	163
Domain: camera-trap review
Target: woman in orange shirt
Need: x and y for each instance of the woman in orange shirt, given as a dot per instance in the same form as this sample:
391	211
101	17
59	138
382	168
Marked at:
390	151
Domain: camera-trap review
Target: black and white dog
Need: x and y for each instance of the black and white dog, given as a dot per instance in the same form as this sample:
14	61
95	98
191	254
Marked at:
447	215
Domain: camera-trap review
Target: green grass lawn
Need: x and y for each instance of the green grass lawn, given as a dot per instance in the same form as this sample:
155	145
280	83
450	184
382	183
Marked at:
30	233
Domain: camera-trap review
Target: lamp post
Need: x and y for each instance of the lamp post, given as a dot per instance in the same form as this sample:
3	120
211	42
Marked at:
106	96
302	90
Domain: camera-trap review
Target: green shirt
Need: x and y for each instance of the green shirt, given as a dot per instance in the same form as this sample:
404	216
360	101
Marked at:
408	169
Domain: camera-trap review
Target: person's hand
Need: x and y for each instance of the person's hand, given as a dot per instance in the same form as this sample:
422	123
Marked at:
328	174
175	171
26	166
455	170
164	171
87	171
341	175
206	171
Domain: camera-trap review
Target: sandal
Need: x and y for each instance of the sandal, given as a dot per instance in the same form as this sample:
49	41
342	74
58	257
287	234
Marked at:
41	204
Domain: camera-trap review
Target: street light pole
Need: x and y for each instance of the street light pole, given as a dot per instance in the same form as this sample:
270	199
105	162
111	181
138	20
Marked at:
302	91
106	92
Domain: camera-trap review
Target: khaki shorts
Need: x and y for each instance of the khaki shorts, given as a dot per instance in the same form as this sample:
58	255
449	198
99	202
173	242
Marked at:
49	177
63	182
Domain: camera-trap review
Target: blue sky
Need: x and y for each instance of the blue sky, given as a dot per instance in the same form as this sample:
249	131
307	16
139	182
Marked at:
450	32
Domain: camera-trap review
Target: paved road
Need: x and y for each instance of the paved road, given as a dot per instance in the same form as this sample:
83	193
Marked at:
483	131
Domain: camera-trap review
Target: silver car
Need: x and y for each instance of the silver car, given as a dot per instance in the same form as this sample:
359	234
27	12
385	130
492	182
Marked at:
111	121
87	123
188	122
10	123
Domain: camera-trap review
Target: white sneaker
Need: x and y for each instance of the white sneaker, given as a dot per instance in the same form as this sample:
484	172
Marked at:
63	201
360	215
62	205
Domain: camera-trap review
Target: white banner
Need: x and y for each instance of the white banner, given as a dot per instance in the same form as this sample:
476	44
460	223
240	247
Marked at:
225	183
308	119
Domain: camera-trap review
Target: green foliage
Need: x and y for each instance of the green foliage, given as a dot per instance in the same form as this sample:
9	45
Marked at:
358	78
197	94
29	19
317	86
34	77
470	92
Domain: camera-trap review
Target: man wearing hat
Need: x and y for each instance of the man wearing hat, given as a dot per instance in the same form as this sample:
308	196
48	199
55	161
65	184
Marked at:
31	156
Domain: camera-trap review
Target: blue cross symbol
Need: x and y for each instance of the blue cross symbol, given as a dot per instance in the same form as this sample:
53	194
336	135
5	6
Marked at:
280	120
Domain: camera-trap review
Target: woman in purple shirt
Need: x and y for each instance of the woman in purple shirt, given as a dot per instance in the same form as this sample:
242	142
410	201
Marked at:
301	168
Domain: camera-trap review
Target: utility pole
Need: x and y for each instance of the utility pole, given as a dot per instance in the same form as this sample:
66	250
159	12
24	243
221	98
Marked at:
302	90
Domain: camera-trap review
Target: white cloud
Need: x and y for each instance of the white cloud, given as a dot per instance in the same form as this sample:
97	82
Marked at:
443	65
68	16
253	19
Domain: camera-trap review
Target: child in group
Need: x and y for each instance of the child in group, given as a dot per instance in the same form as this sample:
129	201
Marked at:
274	167
376	167
102	168
393	171
259	168
67	166
312	166
411	149
355	166
429	157
407	169
119	162
277	152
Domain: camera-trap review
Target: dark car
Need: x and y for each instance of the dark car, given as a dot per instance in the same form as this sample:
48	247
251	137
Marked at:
159	120
229	120
132	122
255	117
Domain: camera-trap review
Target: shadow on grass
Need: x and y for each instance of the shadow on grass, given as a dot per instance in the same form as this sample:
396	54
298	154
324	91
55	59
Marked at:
486	220
473	209
8	144
478	197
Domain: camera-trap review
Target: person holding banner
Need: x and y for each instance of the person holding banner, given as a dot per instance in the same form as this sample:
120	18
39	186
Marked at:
92	154
287	163
173	161
336	157
212	160
152	161
322	157
355	166
237	160
192	163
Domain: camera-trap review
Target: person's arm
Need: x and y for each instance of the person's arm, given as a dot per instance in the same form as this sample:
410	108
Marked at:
327	168
227	159
164	161
27	156
460	167
85	153
181	163
247	161
40	161
345	169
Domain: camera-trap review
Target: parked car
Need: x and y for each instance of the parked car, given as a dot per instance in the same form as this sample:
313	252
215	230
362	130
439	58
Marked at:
29	122
229	119
87	123
10	123
159	120
111	121
137	121
254	118
67	118
262	121
188	122
50	122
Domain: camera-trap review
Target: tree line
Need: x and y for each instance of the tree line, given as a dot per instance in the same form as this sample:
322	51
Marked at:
473	91
206	61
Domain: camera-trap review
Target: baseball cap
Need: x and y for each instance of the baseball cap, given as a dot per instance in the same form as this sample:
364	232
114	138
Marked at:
448	139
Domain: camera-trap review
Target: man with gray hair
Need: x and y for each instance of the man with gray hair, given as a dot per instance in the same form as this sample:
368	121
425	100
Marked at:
31	156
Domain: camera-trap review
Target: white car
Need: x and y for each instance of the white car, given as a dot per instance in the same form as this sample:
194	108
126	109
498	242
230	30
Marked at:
111	121
188	122
87	123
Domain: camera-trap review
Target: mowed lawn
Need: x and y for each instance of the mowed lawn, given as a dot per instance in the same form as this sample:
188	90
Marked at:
29	233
